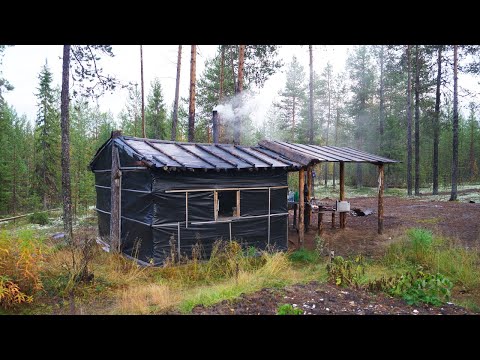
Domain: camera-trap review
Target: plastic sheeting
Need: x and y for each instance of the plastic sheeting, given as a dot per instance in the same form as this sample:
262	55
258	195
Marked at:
217	180
253	202
168	208
103	199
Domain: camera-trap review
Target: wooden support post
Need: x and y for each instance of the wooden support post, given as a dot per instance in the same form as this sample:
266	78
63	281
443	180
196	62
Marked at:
381	186
115	197
333	219
320	226
295	207
309	196
301	209
343	216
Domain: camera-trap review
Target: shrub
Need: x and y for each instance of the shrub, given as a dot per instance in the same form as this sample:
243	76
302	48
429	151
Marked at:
304	256
40	218
21	258
287	309
343	272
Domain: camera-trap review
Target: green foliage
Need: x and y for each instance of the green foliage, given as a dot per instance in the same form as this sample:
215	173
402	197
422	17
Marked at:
343	272
288	309
21	257
416	287
40	218
304	256
156	126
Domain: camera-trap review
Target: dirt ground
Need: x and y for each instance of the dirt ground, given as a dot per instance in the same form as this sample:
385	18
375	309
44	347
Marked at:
459	221
324	299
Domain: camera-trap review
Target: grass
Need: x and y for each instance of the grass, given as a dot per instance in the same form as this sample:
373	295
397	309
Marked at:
120	286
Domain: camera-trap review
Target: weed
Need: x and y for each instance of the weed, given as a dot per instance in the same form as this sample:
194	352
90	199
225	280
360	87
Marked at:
40	218
303	256
288	309
343	272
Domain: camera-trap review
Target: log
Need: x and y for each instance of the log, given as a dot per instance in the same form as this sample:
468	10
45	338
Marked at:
381	185
24	215
343	216
301	210
288	153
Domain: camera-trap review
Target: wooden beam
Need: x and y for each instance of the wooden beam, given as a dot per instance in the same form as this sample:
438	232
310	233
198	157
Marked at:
301	210
228	151
343	215
381	187
115	182
288	153
309	195
195	155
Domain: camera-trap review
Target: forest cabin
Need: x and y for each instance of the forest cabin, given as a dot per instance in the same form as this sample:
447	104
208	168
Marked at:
156	196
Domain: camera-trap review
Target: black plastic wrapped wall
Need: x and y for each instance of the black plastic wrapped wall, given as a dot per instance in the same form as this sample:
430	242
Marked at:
152	216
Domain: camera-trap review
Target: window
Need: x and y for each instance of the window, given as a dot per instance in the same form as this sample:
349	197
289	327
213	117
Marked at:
227	203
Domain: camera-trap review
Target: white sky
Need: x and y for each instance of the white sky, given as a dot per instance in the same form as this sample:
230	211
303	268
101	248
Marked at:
22	64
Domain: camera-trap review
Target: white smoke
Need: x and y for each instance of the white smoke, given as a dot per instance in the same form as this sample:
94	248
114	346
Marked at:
247	104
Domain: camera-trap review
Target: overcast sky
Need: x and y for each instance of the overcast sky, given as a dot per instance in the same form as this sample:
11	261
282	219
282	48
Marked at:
22	63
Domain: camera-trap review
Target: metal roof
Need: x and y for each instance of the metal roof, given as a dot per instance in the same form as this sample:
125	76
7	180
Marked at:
172	155
307	154
182	155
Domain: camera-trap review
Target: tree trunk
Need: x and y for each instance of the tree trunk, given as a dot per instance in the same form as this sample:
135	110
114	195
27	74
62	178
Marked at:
382	101
220	127
177	92
293	118
409	125
417	122
436	124
143	92
328	123
310	104
453	194
222	71
65	128
191	106
337	121
238	121
471	161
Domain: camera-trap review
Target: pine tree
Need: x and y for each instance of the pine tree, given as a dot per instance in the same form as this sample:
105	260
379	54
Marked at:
292	98
156	114
47	139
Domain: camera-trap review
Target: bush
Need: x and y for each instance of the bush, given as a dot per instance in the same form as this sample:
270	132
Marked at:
287	309
40	218
304	256
343	272
21	258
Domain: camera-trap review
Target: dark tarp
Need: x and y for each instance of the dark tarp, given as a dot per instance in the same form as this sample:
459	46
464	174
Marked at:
103	179
104	226
103	199
200	206
104	159
137	180
278	201
278	232
137	206
253	202
217	180
168	208
136	240
251	232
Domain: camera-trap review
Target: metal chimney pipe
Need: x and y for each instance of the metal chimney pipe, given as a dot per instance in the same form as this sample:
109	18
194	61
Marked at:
215	126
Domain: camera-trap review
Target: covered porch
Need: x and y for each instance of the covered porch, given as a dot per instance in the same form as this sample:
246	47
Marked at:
310	155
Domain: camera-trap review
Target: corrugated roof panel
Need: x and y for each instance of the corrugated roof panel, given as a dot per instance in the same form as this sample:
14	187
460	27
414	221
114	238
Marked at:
224	154
220	164
147	151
